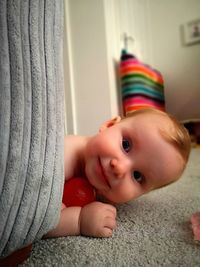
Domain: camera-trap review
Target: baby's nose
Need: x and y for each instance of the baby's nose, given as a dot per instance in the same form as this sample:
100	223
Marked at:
118	168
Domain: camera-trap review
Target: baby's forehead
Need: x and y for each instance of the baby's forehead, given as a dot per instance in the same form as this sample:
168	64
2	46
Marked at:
162	183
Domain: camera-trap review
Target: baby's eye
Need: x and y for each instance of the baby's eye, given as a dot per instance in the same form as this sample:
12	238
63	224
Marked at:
138	176
126	145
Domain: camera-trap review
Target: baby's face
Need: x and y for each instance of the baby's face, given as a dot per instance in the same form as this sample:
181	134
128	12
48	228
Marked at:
130	158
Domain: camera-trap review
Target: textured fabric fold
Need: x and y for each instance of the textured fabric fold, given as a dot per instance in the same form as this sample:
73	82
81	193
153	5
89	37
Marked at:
31	120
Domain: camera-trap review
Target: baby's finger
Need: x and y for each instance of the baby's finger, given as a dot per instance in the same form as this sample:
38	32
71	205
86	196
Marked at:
111	209
106	232
110	223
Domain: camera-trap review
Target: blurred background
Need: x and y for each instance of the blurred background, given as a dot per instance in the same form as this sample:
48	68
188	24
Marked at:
161	35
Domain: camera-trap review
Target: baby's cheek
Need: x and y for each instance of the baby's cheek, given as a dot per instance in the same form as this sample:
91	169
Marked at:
94	147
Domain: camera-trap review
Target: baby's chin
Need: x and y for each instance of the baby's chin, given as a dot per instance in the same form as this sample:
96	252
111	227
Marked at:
103	199
110	200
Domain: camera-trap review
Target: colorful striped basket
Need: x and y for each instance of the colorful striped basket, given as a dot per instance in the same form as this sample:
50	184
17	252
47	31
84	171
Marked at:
142	86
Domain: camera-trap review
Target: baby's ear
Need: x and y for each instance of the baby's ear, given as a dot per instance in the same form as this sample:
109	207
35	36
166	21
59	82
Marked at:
110	123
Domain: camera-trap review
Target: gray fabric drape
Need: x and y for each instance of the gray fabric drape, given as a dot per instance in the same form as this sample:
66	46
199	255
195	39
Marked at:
31	120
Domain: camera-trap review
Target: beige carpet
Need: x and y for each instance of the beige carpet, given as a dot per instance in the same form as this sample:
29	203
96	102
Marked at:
152	231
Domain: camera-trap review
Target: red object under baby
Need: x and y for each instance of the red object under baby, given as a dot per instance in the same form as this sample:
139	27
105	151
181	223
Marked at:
78	192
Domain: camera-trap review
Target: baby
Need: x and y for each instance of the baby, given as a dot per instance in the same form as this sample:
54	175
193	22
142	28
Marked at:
126	159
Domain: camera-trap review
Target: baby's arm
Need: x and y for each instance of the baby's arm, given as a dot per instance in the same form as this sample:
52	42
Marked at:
95	219
68	223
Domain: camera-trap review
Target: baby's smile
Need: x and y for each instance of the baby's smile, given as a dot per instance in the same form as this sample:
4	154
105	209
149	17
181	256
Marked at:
101	174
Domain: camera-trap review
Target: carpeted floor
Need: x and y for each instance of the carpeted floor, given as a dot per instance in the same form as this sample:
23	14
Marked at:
152	231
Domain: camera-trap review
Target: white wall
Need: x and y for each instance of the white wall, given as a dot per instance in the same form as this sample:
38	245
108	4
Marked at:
90	76
179	64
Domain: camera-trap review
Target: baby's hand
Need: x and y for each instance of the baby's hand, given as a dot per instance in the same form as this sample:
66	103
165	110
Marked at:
97	219
195	220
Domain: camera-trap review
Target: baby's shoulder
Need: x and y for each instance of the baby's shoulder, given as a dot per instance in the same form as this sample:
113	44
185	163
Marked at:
70	140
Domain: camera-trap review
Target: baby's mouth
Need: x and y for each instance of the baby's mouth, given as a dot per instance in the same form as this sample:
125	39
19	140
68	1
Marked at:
102	174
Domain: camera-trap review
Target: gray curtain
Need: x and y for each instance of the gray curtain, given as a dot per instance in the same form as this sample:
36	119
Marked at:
31	120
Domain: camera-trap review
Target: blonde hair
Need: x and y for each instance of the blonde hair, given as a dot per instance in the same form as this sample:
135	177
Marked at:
178	136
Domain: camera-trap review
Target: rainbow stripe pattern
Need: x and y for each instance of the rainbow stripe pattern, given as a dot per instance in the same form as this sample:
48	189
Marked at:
142	86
